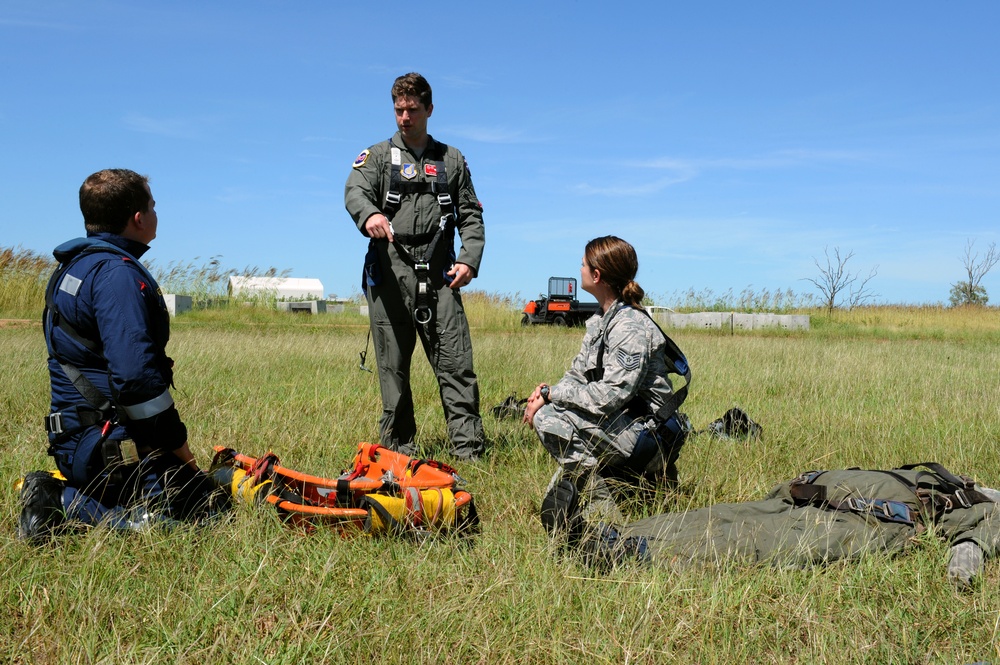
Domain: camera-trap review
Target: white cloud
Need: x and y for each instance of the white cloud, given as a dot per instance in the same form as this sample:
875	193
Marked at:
492	134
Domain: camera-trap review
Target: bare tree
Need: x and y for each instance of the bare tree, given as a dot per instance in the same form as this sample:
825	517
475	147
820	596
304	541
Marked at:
971	291
835	281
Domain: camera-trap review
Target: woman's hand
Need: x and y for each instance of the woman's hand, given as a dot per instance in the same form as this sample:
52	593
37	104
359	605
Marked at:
535	402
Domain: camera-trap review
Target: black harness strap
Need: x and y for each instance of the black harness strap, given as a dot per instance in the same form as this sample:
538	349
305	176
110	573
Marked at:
959	493
399	187
52	313
392	525
806	494
961	489
103	409
87	389
676	363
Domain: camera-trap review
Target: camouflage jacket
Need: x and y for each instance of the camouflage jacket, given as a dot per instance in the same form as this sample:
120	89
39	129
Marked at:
633	361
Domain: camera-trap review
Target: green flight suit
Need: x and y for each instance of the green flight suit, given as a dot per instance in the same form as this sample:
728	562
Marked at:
784	530
391	287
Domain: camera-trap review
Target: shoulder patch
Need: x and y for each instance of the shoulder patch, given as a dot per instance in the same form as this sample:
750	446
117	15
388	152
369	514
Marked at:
70	284
361	159
628	361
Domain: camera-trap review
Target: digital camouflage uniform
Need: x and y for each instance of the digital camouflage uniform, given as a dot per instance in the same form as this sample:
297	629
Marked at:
595	422
785	529
391	285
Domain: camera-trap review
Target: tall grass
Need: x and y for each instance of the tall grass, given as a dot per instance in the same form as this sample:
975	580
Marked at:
872	388
23	275
749	300
208	283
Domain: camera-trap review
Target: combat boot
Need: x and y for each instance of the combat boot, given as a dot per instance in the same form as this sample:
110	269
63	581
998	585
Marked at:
603	548
41	507
560	510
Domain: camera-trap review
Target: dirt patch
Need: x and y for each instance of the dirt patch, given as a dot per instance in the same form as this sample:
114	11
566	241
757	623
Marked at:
18	323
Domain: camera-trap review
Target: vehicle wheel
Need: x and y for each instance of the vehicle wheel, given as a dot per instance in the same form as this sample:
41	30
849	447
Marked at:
559	320
525	320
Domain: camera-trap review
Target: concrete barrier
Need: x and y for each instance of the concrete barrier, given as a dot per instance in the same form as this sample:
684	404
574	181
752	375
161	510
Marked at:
714	320
733	320
302	307
177	304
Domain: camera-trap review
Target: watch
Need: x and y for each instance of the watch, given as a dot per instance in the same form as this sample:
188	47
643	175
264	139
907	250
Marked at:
544	392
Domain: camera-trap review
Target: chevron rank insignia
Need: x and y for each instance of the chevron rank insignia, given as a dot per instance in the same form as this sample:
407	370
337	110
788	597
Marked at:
629	361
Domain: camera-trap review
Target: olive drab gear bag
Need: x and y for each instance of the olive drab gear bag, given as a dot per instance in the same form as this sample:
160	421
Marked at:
818	517
911	494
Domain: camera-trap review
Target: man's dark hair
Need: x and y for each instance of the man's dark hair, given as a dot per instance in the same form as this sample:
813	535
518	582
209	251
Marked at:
109	198
412	85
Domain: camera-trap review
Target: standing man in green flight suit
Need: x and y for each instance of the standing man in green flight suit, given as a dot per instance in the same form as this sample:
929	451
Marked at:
408	195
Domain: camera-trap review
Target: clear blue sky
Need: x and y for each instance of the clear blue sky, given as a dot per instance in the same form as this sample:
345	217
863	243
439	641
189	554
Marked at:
730	142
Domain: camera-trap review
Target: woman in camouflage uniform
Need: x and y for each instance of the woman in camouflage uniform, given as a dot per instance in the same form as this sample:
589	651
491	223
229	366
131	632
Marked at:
616	391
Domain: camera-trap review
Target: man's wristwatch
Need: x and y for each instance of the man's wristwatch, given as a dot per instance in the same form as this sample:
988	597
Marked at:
544	392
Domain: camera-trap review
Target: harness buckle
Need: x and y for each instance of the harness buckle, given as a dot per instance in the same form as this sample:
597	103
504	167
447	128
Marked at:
858	505
444	199
890	511
54	423
808	477
422	315
897	511
393	198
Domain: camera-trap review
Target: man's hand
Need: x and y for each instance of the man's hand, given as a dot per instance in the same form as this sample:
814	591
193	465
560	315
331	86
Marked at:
185	455
377	226
460	274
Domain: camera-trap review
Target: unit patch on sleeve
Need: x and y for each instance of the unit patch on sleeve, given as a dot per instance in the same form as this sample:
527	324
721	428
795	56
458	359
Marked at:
628	361
362	158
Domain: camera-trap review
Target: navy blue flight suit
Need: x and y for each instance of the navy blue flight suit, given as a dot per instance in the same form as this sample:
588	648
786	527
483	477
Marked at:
106	324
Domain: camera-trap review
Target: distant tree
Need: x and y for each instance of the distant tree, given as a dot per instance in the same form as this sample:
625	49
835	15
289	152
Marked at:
971	291
838	285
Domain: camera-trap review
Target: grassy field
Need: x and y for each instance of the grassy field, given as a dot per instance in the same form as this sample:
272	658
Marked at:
875	387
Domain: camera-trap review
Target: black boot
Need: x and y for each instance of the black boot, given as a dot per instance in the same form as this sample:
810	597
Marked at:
41	507
604	548
560	511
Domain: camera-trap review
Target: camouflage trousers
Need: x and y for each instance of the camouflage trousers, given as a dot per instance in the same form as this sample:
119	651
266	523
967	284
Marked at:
581	447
